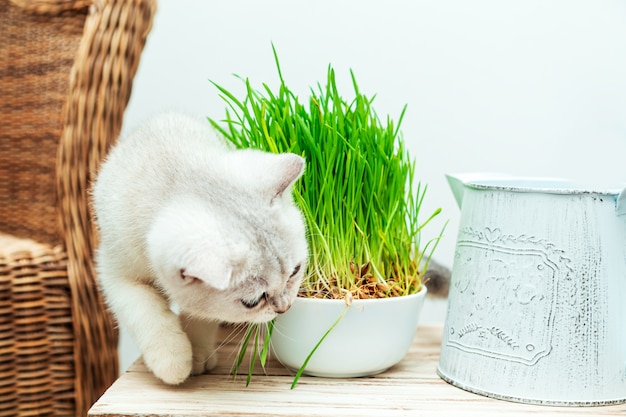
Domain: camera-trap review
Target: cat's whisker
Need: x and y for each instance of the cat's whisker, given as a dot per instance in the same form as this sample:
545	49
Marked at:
237	330
258	334
271	346
277	330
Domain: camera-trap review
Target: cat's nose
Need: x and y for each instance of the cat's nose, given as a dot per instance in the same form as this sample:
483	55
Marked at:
282	310
280	305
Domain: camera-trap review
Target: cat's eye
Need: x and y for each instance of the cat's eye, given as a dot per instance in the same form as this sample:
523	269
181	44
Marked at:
295	271
253	303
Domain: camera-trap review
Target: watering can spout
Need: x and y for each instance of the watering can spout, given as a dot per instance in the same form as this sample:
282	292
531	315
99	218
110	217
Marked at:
457	185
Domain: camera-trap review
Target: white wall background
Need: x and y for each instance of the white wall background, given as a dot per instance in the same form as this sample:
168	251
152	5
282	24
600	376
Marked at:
533	87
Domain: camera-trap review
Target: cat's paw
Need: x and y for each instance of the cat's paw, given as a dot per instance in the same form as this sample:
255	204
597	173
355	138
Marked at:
170	361
203	362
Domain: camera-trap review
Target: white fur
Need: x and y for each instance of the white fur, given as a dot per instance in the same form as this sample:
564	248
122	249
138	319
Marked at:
185	219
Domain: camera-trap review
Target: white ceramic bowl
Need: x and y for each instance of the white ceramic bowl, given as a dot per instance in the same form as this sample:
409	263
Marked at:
373	336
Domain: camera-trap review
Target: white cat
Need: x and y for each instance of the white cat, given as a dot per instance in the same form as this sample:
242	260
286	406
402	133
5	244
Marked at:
185	219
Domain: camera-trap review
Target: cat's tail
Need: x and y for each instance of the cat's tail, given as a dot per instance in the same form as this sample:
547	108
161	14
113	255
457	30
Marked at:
437	279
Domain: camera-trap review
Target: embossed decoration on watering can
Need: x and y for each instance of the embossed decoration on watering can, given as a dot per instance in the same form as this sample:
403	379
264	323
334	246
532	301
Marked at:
537	302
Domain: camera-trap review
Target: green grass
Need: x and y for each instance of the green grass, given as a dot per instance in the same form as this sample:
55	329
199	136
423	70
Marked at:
359	196
260	335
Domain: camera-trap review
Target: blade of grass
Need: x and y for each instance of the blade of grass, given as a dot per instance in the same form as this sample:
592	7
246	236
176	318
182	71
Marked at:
266	345
242	350
254	355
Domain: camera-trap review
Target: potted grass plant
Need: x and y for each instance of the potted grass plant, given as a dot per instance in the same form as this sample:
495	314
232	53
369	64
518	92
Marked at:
358	306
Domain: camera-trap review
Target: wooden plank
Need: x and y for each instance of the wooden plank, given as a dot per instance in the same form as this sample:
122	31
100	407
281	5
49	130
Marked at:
410	388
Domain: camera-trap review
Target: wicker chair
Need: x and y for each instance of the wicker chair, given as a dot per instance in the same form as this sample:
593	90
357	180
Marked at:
66	70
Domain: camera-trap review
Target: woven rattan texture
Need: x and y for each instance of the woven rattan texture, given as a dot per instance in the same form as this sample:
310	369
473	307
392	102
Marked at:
35	63
35	329
66	71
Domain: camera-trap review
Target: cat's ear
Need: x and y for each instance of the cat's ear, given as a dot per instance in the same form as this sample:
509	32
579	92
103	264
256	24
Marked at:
289	167
271	174
213	272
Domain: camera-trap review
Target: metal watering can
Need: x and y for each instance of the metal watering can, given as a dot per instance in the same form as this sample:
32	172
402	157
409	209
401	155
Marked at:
537	302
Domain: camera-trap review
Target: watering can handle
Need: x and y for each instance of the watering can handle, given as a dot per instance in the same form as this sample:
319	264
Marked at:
620	204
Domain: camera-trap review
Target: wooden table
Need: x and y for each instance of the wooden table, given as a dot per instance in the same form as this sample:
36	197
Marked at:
411	388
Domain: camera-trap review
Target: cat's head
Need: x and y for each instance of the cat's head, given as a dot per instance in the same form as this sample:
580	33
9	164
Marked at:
233	248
